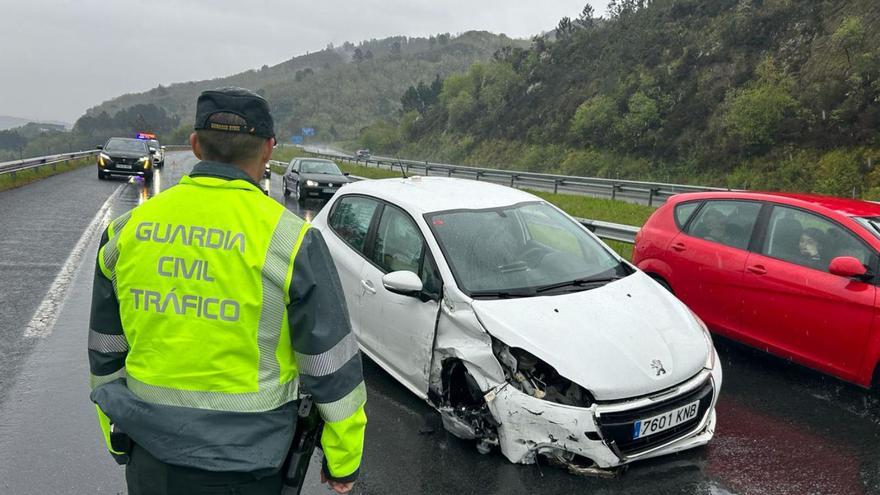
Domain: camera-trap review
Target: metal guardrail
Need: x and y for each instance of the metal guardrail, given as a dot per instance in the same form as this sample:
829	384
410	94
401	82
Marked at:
605	230
652	193
611	231
39	161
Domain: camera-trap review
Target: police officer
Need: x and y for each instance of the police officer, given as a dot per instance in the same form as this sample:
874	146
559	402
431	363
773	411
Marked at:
212	304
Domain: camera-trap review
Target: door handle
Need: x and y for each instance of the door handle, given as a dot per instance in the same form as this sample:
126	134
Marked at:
368	286
679	246
757	269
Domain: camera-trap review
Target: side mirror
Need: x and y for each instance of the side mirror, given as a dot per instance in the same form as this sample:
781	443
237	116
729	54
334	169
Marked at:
403	282
346	174
847	266
99	147
163	148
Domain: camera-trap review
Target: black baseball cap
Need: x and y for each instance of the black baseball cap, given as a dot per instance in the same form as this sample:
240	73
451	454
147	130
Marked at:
250	106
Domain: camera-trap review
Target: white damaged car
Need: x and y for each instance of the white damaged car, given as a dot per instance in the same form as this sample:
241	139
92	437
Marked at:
520	326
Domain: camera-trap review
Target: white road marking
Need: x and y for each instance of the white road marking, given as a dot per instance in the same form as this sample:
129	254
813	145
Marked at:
44	318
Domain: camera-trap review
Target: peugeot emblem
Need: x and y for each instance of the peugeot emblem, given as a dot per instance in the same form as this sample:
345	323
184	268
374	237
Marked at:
331	185
657	366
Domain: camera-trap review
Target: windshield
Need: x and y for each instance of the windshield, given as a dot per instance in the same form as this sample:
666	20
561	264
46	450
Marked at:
132	145
871	224
315	167
523	248
154	144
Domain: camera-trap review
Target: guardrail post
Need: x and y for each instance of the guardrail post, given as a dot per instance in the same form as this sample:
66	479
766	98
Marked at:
555	186
614	189
512	178
651	192
479	174
448	172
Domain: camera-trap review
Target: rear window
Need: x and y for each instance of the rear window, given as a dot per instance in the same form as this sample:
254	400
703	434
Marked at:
351	218
684	211
726	222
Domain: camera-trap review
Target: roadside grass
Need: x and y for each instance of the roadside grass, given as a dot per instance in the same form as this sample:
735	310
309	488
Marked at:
287	153
369	172
607	210
22	177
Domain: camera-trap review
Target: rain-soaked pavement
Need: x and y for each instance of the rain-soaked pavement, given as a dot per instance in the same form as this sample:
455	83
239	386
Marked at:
781	428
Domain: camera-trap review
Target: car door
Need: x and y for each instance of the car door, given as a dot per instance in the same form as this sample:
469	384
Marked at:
707	261
291	176
350	220
794	307
398	330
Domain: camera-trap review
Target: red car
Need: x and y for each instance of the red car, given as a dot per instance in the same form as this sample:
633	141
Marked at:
792	274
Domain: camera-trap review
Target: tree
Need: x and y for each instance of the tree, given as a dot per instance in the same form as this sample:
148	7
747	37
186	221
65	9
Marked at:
395	48
643	114
358	56
850	37
624	8
755	113
585	19
564	28
595	121
368	55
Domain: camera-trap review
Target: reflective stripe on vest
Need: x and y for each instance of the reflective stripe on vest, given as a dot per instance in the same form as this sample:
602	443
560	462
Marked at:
188	348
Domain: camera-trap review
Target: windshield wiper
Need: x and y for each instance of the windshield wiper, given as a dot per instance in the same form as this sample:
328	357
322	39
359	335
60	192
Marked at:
579	282
503	294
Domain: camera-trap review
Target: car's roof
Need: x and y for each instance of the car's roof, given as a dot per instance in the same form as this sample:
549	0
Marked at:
125	139
843	206
431	194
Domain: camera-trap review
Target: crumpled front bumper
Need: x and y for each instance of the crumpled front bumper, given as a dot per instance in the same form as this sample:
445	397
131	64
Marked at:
531	426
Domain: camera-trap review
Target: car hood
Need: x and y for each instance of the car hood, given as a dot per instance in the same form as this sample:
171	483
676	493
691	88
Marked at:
335	179
606	339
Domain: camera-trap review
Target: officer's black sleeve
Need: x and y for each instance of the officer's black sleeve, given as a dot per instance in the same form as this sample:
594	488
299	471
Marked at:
107	345
327	355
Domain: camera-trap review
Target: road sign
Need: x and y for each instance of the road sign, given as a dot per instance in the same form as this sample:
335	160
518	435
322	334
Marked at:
296	139
308	131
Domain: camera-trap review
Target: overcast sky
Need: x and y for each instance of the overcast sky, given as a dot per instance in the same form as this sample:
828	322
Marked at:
59	57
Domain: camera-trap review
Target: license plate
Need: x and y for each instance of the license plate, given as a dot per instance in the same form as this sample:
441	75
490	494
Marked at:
126	167
655	424
330	190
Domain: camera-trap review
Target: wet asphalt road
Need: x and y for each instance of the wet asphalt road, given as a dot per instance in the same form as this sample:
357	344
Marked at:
781	429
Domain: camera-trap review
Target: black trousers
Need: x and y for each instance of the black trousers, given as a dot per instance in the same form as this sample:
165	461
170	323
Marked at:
146	475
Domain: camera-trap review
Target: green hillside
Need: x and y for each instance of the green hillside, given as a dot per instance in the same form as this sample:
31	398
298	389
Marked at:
337	90
777	94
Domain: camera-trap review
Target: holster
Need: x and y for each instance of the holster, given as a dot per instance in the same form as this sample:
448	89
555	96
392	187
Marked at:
305	438
121	444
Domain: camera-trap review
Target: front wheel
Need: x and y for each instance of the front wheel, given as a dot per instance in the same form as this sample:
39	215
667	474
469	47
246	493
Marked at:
148	178
300	195
285	190
102	175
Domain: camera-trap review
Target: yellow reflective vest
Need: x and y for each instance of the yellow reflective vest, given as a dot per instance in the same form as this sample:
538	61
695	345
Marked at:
212	305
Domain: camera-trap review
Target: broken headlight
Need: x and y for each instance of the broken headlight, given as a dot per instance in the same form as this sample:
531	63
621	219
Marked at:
534	377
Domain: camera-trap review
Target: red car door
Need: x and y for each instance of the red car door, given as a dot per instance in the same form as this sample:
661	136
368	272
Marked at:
708	258
792	305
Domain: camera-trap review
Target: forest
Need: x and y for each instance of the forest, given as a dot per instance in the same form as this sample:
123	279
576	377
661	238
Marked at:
759	94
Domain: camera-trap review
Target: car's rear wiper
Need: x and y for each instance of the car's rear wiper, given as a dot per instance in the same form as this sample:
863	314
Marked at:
503	294
578	282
